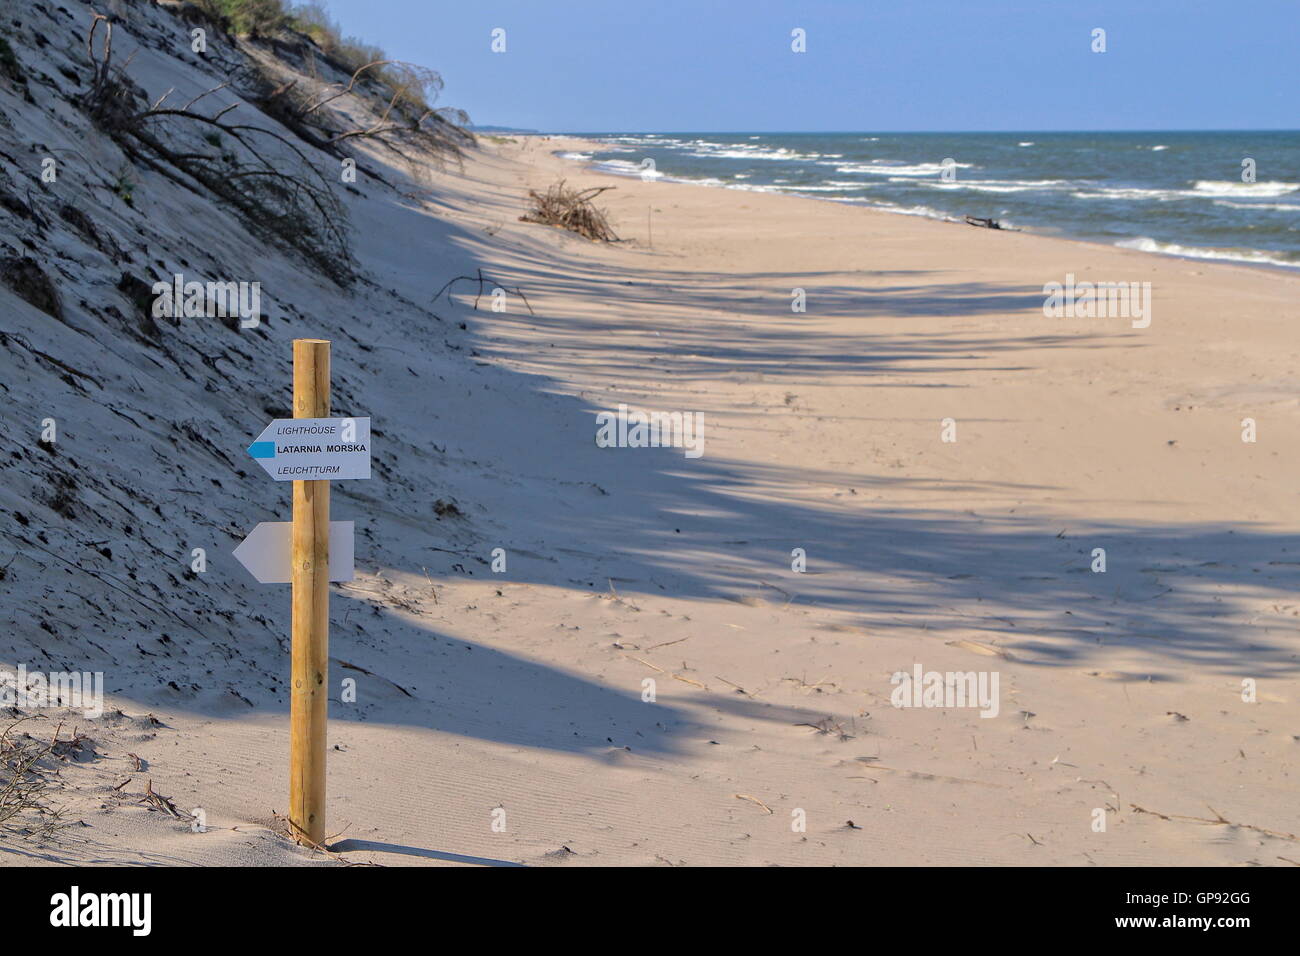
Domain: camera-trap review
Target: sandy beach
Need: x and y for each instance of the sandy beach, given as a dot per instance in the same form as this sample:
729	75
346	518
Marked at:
650	679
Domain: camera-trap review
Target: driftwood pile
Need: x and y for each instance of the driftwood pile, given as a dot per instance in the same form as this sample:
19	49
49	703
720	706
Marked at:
571	209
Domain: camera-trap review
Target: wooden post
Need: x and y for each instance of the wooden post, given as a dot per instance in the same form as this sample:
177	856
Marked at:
309	653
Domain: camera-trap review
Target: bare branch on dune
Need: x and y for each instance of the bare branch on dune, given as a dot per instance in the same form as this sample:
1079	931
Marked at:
345	90
483	282
293	203
403	94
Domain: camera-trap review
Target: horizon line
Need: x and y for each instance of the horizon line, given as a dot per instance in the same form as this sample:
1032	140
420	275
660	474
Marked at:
893	132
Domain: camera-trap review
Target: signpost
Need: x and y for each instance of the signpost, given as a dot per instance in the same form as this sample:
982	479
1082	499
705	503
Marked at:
266	552
310	449
292	449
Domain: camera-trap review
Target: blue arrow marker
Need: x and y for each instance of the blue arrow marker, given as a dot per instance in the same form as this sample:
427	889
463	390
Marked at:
262	449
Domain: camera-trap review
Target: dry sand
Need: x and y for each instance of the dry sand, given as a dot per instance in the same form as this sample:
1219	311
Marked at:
522	691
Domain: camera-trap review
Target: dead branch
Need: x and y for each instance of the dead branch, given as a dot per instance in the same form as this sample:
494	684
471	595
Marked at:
6	337
295	205
482	281
571	209
1218	819
157	801
405	117
344	91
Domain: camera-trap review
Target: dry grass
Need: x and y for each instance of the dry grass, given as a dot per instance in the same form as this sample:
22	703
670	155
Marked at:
24	784
24	276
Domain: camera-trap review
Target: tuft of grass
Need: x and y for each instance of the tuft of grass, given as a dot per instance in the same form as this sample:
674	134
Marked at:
124	185
255	18
62	495
313	20
9	65
26	279
265	18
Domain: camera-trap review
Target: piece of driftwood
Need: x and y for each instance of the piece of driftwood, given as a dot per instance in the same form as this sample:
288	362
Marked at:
571	209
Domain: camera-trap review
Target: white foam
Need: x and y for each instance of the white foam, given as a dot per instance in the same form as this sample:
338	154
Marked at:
623	167
746	153
649	139
1133	192
1228	187
899	169
827	188
926	212
634	170
707	150
1201	189
1269	206
1147	244
995	185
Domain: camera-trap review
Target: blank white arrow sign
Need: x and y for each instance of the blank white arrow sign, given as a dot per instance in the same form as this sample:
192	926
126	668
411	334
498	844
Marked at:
266	551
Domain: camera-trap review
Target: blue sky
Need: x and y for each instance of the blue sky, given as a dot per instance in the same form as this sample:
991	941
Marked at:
726	65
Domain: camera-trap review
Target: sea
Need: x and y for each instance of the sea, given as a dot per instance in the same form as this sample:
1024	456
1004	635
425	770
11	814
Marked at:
1231	196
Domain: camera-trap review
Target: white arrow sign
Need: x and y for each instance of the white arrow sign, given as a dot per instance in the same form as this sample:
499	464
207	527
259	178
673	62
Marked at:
314	449
266	551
